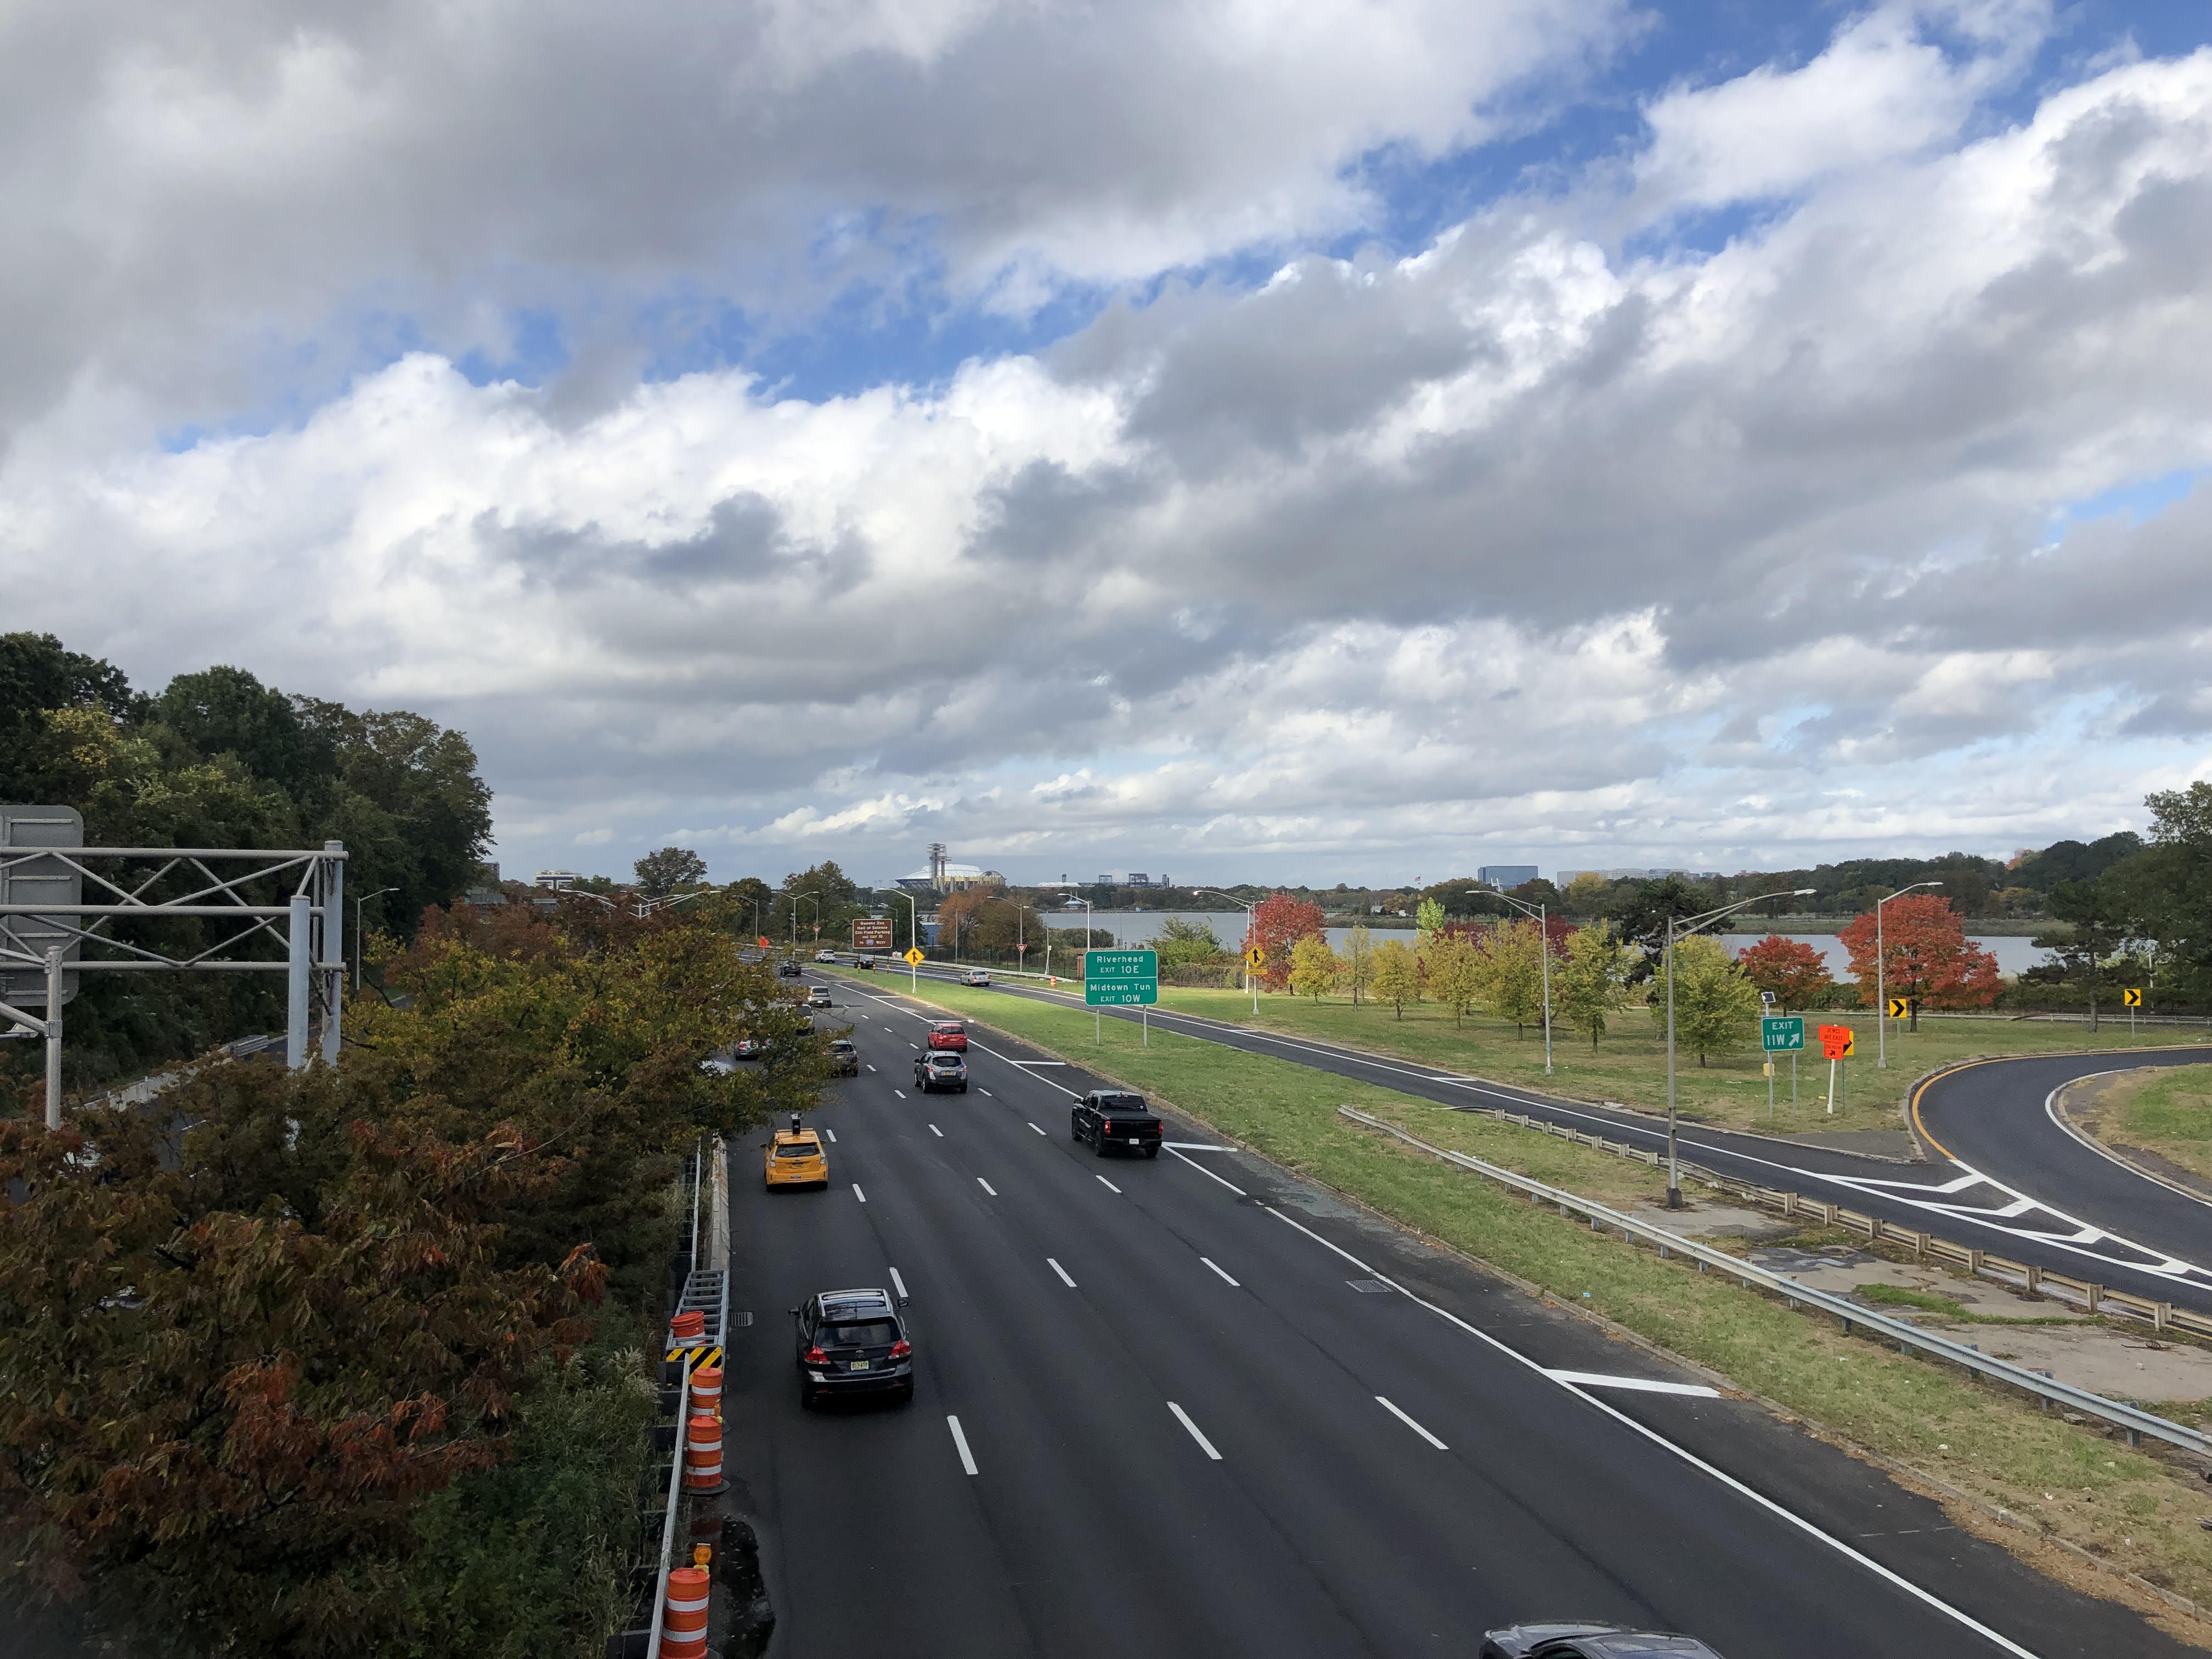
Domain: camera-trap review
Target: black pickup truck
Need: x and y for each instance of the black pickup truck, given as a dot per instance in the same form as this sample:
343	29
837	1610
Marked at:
1112	1120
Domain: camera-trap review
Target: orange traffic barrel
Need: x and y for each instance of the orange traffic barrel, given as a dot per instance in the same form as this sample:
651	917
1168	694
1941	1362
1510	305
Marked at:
688	1329
683	1619
706	1389
703	1454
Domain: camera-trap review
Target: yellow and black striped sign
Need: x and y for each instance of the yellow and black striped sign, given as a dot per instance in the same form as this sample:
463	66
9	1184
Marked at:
708	1360
1900	1008
2131	998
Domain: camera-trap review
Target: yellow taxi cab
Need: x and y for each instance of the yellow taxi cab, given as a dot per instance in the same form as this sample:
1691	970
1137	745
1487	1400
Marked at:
794	1158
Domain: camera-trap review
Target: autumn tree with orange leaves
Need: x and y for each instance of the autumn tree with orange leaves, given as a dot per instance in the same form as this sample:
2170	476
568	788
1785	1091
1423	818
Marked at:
1279	922
1925	956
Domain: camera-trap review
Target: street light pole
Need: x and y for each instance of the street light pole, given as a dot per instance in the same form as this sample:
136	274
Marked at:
913	939
359	900
1881	984
1683	929
1251	932
1542	913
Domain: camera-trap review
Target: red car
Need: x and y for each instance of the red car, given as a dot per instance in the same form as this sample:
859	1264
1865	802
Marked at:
949	1033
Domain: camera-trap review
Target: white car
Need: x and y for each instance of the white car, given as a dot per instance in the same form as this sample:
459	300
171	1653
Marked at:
975	976
825	955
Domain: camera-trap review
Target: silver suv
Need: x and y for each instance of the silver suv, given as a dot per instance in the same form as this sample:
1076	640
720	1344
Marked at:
941	1068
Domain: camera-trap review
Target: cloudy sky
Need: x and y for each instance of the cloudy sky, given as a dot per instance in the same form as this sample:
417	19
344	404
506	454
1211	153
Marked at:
1327	440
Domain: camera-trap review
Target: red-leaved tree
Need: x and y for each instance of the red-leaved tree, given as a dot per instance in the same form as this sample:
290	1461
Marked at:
1796	972
1279	922
1925	956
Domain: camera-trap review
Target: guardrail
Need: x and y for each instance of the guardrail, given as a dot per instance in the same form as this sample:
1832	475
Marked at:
2134	1421
2091	1297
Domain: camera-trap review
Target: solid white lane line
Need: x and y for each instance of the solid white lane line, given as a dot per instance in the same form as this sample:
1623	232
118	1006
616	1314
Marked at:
1928	1598
1034	1127
939	1133
960	1443
986	1186
1061	1270
1209	1174
1639	1384
1410	1423
898	1284
832	1133
858	1194
1070	1093
1184	1418
1036	1063
1216	1268
1194	1146
1108	1185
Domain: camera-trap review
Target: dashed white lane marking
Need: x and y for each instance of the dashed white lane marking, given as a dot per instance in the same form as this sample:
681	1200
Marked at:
901	1093
960	1444
872	1068
939	1133
1216	1268
988	1095
1410	1423
1641	1384
1184	1418
889	1029
832	1133
1209	1174
986	1186
1925	1597
1035	1127
858	1194
898	1284
1061	1270
1108	1185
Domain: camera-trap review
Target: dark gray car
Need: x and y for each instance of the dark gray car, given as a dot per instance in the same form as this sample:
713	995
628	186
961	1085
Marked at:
1579	1638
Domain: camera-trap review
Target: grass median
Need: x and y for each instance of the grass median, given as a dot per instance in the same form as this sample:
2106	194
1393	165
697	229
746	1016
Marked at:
1629	1063
2128	1508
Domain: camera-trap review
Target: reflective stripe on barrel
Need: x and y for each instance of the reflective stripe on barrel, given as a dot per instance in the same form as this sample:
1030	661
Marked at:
688	1329
706	1389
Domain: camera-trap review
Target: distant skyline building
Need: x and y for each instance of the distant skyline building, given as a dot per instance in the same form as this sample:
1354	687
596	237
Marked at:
1565	878
1506	875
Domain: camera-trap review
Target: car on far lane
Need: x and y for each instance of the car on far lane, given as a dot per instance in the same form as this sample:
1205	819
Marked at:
787	969
975	976
852	1342
1577	1639
940	1070
1114	1120
844	1058
825	955
819	997
865	964
749	1047
949	1033
794	1157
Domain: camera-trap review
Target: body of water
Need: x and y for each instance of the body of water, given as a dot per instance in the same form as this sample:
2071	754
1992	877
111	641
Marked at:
2013	952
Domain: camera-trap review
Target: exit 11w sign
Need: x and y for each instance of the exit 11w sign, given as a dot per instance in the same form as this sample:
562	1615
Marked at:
1782	1035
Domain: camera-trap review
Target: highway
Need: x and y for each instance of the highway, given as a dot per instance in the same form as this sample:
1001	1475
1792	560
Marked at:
2017	1184
1205	1408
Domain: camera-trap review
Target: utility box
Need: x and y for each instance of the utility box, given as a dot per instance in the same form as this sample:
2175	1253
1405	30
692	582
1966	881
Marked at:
26	878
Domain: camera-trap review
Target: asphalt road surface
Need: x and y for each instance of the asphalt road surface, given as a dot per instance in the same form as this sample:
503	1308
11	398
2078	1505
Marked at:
2016	1184
1204	1408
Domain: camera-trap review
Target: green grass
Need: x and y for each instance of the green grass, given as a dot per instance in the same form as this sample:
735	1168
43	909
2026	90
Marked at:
1976	1437
2168	1112
1629	1064
1898	1296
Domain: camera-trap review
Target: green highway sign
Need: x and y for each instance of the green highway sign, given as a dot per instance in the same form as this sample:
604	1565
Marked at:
1777	1035
1118	979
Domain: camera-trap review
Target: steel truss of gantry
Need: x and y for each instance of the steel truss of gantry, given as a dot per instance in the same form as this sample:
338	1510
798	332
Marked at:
60	901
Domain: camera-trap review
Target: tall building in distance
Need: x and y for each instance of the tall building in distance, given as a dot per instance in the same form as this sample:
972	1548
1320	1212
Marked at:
941	874
1502	876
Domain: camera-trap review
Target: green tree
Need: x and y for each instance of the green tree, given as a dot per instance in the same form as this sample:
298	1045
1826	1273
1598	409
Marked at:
2167	889
669	870
1592	980
1397	976
1428	920
1358	970
1188	944
1716	1006
1313	966
2097	929
1513	973
1453	968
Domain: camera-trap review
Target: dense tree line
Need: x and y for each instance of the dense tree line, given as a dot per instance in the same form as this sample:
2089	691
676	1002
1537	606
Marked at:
218	759
333	1363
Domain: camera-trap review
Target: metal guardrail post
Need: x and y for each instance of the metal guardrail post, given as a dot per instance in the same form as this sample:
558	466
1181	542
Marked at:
2134	1421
